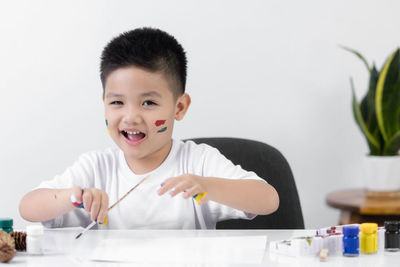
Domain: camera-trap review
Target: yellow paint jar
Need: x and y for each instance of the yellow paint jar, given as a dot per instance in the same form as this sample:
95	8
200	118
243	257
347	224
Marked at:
368	238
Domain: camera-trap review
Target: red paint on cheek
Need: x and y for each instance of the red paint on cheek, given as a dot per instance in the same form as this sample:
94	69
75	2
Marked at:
160	122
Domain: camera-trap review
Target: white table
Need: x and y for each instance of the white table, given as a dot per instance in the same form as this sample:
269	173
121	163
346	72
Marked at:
61	249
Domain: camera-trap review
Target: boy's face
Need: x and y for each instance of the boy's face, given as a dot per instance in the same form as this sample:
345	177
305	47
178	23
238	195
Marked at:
140	110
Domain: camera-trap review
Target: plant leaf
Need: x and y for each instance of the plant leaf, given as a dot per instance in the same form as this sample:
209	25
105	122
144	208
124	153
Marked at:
373	143
392	147
388	97
358	55
368	104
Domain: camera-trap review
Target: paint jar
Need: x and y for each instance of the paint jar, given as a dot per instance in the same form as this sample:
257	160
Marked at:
34	239
392	236
351	242
6	225
369	238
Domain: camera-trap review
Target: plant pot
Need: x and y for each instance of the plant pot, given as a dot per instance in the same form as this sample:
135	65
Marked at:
382	176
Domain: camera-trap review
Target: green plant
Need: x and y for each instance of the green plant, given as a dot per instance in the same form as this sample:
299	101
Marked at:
378	115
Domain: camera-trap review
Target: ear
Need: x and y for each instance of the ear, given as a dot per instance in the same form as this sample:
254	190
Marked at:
102	96
181	106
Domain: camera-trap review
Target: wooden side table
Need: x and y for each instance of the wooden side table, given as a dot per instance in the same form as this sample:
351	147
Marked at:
357	207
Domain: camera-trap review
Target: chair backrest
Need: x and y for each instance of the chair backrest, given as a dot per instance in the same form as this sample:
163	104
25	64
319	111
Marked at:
268	163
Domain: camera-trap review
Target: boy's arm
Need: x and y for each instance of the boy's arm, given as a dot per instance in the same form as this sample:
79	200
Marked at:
248	195
44	204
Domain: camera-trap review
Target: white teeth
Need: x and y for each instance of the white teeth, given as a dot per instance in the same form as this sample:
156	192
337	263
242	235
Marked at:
131	132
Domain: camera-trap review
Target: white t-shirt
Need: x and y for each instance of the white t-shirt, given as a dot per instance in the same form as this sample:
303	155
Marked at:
144	208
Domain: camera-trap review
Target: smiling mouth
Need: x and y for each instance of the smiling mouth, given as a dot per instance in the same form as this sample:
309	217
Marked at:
133	136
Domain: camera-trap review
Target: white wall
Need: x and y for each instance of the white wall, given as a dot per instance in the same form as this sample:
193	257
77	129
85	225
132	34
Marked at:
265	70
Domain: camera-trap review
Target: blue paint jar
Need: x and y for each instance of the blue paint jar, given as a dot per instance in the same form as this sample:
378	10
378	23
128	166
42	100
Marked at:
351	243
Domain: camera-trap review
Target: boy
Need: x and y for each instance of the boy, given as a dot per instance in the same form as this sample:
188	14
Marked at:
143	73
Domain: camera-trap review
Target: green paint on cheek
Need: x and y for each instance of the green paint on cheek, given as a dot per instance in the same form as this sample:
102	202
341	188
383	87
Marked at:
106	122
162	130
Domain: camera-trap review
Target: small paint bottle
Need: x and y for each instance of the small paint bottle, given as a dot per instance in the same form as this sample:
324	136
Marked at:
381	239
368	238
6	225
351	241
392	236
34	239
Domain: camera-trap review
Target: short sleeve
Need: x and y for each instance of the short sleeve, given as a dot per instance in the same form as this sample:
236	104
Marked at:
81	173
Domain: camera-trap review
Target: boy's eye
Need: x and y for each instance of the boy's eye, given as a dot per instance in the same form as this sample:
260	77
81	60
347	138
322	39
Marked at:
116	103
148	103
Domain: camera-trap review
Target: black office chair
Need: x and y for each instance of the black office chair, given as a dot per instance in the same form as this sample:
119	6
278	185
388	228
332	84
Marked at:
268	163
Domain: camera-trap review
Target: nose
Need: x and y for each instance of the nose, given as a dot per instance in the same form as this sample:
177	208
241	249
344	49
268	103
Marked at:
132	116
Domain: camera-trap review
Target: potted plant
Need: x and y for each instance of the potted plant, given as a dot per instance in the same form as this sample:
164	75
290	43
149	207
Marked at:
378	117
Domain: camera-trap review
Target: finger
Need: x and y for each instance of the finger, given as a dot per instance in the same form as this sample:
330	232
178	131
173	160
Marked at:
192	191
180	187
203	200
87	199
167	185
103	208
96	204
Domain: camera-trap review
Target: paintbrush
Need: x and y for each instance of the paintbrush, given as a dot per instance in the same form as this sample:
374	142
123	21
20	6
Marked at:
112	206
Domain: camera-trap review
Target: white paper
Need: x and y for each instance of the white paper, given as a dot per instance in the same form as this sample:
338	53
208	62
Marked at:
237	249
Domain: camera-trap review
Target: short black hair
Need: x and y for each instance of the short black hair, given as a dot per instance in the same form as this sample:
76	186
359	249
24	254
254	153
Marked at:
148	48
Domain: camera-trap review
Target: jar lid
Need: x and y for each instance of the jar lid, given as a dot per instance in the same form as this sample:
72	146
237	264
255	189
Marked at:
34	230
392	226
6	222
369	228
350	230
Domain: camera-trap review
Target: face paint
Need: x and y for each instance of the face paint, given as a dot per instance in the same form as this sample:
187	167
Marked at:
162	130
108	130
160	122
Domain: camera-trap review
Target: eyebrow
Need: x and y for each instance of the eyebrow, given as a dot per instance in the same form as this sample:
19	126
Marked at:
151	93
110	95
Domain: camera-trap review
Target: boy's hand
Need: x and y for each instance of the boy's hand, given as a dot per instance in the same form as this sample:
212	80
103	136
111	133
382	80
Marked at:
188	183
95	202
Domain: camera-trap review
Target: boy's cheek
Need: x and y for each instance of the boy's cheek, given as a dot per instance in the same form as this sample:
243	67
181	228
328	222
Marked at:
160	126
112	129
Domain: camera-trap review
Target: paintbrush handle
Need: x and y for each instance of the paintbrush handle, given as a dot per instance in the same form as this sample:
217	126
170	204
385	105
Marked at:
86	229
94	222
89	226
133	188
